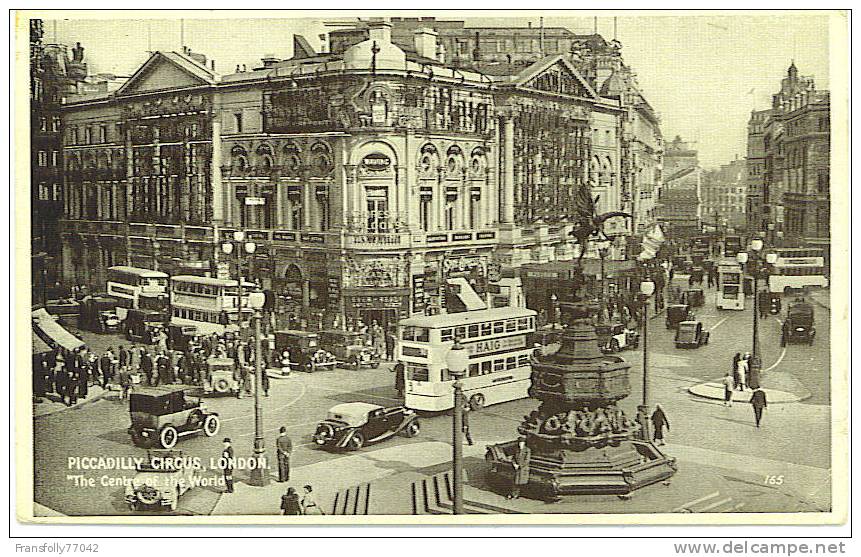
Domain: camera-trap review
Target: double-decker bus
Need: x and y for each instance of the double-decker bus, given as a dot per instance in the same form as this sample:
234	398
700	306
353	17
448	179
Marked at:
731	246
137	288
730	293
798	268
499	356
210	304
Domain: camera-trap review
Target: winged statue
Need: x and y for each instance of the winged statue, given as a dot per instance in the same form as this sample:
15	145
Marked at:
588	223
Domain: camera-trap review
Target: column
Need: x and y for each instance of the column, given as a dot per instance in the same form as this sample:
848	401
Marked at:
440	198
508	181
219	214
348	202
411	199
278	199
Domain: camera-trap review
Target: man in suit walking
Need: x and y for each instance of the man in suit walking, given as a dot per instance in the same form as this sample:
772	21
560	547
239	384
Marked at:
227	465
284	448
520	461
758	401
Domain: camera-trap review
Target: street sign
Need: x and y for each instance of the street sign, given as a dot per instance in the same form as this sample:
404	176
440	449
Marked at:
255	201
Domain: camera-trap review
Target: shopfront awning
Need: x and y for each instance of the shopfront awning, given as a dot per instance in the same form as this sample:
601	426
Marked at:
52	333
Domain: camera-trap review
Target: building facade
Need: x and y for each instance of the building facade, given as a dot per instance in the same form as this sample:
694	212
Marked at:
724	196
367	177
53	76
795	194
680	198
755	208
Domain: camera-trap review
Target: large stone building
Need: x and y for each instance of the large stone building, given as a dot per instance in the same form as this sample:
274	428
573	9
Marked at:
54	75
724	196
367	175
680	199
757	218
795	194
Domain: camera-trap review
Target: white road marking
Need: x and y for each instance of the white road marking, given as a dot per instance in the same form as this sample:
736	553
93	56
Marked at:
718	324
289	404
782	353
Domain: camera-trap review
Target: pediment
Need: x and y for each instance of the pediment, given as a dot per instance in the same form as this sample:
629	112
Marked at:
161	72
556	75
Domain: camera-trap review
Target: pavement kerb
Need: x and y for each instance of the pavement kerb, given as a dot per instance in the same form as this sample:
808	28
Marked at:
89	400
715	391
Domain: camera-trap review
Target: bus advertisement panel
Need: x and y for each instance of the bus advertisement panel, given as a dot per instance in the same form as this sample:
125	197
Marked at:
499	354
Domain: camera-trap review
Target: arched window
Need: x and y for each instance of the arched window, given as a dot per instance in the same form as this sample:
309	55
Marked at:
321	159
238	159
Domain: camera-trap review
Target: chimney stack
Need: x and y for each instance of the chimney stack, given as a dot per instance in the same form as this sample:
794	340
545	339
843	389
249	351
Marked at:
380	31
425	42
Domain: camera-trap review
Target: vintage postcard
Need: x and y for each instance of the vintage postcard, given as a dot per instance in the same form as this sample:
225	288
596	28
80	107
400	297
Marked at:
387	268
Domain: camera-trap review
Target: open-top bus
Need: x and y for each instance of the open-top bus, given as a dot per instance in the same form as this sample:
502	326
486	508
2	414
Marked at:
499	356
208	303
730	293
798	268
137	288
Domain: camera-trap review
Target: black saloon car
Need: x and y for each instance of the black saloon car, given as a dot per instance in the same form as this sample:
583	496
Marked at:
353	425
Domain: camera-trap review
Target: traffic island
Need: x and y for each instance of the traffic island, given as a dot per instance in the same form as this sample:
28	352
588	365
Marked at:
780	388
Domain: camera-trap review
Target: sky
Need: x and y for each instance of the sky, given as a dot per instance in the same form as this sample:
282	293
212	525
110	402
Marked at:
702	73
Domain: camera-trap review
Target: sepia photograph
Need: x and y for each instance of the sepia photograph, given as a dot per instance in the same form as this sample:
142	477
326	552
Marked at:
535	267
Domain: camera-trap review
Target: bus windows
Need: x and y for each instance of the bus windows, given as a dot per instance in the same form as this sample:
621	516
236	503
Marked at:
415	334
730	292
523	360
473	370
510	326
472	331
499	365
446	335
486	367
511	362
499	327
522	324
486	329
460	332
417	372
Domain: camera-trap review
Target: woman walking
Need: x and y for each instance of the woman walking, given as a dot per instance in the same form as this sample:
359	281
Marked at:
743	370
659	422
290	503
309	503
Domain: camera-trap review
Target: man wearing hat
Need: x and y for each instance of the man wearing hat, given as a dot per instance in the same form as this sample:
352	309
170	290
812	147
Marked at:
284	447
227	465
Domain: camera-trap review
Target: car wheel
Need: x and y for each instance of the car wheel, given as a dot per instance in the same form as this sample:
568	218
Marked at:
168	437
354	363
413	429
614	345
211	425
375	364
476	401
138	439
357	441
221	386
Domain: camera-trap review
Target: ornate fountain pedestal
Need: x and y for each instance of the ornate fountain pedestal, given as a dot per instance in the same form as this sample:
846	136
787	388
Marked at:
579	441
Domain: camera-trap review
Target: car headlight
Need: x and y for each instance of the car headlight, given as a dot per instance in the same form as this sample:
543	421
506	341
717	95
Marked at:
799	329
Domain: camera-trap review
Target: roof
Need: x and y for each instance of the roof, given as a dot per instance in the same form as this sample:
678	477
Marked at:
194	279
188	65
147	273
466	317
162	390
354	408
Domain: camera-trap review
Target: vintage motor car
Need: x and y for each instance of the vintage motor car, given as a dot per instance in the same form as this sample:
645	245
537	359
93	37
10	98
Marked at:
676	313
98	314
221	376
690	334
142	325
178	336
349	348
160	481
798	326
161	415
615	337
353	425
305	351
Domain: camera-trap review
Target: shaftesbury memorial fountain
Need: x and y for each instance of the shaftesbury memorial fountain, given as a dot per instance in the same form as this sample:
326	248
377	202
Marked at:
579	440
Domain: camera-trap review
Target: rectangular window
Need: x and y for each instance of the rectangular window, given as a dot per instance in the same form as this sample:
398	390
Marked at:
446	335
73	136
55	123
460	332
499	365
55	158
522	324
473	370
237	118
499	327
511	362
523	360
103	134
42	158
510	326
486	329
486	367
88	135
43	124
472	331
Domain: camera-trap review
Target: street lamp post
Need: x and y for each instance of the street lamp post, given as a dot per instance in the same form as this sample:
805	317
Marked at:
259	476
756	266
457	361
554	308
647	288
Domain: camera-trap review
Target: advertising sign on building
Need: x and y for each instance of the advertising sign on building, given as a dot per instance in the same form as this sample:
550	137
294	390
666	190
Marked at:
419	301
376	162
